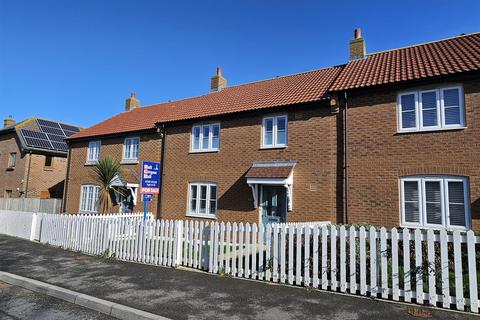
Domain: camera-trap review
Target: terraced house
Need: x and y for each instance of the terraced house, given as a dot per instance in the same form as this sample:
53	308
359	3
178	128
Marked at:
389	138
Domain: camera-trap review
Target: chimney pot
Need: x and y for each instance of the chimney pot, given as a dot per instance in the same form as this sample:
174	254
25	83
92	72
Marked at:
132	102
218	82
8	121
357	34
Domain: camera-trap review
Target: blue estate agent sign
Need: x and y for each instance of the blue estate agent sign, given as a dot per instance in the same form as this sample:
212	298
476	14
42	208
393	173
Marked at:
150	177
147	197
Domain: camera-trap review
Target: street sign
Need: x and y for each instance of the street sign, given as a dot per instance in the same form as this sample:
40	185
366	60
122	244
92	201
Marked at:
147	197
150	177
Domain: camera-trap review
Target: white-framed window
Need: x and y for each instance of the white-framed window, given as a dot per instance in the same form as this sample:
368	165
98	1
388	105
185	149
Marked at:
130	148
12	160
435	202
202	200
432	109
93	153
205	137
89	198
274	131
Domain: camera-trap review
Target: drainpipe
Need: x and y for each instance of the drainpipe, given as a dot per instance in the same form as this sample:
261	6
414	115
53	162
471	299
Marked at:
345	160
65	185
163	135
28	173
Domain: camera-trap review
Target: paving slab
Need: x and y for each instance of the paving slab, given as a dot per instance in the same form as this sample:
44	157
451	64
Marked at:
180	294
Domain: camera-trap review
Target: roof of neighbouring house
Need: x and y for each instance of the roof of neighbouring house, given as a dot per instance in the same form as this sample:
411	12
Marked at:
444	57
42	135
281	91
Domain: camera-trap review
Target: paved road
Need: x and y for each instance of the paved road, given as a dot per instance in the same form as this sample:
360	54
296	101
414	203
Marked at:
18	303
179	294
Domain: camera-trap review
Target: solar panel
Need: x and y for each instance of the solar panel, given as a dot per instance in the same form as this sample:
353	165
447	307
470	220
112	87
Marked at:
48	123
67	127
55	137
53	130
62	146
36	139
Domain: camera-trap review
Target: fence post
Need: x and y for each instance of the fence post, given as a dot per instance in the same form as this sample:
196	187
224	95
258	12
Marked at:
33	227
178	243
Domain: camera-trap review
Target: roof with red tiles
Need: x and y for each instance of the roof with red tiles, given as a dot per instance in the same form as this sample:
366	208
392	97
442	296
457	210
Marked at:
439	58
269	172
282	91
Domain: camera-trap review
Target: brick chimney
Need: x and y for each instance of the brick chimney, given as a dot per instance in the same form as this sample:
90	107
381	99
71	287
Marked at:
357	46
8	122
218	82
132	102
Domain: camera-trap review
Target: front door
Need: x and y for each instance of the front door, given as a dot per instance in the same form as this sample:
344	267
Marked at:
274	204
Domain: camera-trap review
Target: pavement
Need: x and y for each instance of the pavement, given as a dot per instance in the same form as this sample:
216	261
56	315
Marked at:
181	294
19	303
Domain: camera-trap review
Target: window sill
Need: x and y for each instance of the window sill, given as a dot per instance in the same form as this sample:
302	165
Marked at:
204	151
435	228
91	163
270	148
431	130
203	216
47	169
129	161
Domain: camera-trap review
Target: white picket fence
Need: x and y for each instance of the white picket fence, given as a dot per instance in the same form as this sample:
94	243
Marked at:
423	267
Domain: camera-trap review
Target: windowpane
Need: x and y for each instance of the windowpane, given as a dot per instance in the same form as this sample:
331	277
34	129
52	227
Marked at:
452	115
408	102
196	138
206	137
268	132
213	199
203	199
456	203
193	198
451	97
411	201
281	131
215	136
429	108
433	198
409	119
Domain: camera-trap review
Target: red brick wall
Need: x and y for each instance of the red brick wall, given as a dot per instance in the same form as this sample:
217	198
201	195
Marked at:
311	142
378	155
11	179
149	150
43	180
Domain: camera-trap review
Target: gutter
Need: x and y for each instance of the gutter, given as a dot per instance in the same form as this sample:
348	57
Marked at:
65	185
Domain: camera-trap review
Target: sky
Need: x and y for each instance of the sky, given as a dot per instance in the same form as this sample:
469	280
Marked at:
77	61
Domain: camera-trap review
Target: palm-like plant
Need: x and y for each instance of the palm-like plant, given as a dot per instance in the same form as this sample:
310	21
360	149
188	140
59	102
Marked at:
106	171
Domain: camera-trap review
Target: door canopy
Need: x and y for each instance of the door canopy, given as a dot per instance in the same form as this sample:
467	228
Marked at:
279	173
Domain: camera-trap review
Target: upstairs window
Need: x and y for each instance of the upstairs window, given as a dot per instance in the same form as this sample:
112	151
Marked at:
438	202
435	109
48	161
202	200
274	132
205	138
12	160
89	198
93	153
130	149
